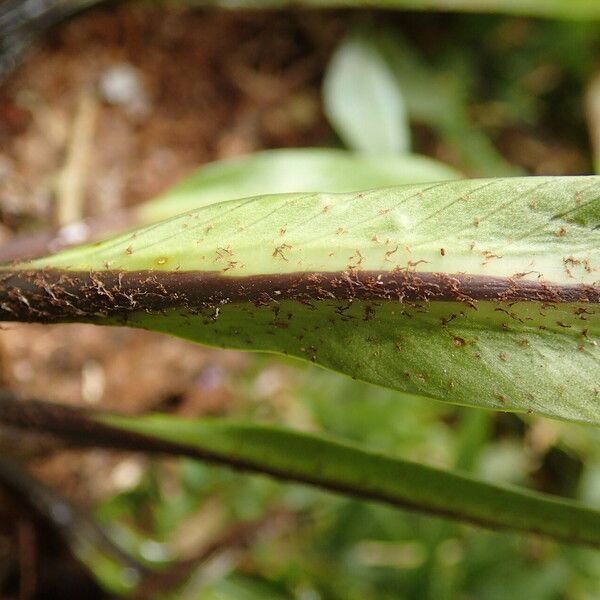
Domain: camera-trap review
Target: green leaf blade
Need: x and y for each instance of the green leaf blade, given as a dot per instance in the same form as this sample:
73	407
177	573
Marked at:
351	469
483	292
292	170
314	459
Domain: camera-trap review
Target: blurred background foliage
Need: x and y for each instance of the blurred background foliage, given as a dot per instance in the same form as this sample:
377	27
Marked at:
488	95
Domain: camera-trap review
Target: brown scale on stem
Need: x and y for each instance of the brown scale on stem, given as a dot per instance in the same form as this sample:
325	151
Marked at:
53	295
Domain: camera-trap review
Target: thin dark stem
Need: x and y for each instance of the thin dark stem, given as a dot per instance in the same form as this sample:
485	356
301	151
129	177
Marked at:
73	424
63	517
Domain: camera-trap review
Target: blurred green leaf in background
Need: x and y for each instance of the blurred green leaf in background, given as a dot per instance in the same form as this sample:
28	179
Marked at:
363	98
